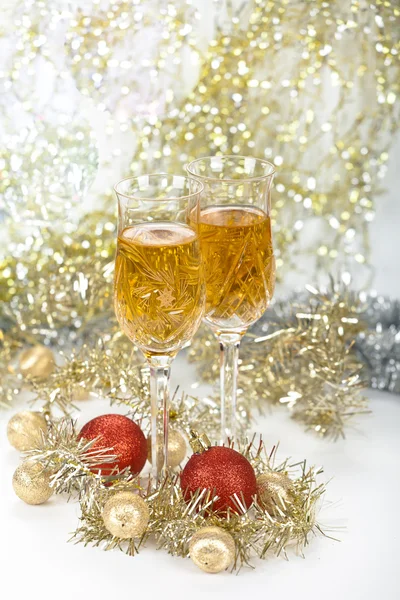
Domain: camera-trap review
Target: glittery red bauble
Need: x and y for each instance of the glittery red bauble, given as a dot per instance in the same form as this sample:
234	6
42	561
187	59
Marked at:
222	471
121	434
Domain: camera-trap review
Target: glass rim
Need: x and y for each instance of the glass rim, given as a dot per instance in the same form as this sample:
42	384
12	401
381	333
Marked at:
166	198
228	180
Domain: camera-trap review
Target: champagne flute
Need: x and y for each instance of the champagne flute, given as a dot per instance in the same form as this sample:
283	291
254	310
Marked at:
159	290
237	251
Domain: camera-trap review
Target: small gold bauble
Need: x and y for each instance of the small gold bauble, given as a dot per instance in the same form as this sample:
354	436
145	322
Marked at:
24	430
274	490
176	448
31	483
126	515
37	362
212	549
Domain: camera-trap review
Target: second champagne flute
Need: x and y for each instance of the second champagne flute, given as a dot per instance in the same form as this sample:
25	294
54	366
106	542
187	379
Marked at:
237	251
158	286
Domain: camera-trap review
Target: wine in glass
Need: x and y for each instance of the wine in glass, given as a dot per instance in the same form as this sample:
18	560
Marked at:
237	251
159	290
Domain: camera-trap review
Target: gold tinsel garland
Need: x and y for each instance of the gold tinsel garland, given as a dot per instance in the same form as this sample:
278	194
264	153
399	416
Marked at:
92	529
282	515
114	368
60	280
122	511
94	369
70	460
303	360
173	521
185	411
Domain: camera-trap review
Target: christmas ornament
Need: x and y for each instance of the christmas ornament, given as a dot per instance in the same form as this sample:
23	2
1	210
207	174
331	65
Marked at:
175	519
109	368
212	549
122	437
111	515
24	430
31	483
126	515
73	462
274	491
176	448
227	475
37	362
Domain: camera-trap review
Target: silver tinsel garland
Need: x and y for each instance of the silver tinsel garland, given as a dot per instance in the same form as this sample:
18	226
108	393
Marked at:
379	346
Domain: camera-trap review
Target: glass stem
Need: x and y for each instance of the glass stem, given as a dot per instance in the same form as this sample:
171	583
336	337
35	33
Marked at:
160	369
229	356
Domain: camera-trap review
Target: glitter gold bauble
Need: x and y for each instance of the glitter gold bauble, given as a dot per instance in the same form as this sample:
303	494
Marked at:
176	448
31	483
274	490
24	430
126	515
212	549
37	362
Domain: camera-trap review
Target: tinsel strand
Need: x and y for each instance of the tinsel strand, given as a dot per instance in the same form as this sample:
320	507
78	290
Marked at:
173	521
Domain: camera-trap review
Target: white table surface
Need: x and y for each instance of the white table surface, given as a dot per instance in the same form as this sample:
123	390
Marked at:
362	504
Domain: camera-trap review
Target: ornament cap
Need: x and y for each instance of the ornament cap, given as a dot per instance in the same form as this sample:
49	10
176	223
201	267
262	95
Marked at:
199	442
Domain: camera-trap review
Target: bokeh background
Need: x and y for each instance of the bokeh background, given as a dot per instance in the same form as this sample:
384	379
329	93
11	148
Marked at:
94	91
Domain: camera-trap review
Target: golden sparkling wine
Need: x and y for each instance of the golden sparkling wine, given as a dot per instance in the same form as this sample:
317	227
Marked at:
239	263
159	286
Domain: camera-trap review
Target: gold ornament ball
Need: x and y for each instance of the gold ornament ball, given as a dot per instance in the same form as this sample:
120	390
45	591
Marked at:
212	549
126	515
31	483
37	362
176	448
274	489
24	430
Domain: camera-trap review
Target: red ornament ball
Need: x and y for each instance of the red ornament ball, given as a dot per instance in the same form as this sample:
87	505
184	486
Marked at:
224	472
126	439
